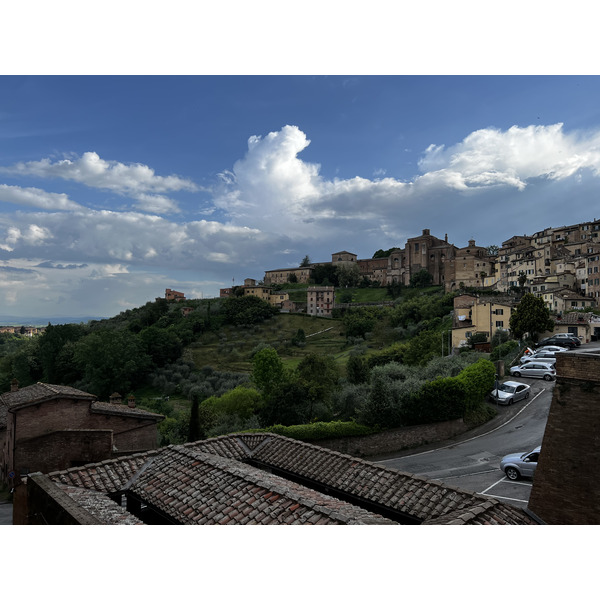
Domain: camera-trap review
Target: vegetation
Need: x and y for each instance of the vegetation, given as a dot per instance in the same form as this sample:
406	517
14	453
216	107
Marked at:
236	364
530	317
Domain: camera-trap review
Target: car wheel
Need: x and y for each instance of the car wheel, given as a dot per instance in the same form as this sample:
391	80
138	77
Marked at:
510	402
526	395
516	374
512	474
548	377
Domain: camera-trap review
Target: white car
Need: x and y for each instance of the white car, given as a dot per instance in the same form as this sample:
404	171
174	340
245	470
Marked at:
541	356
520	465
509	392
534	369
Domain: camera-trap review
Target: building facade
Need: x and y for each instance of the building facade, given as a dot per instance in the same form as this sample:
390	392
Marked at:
46	427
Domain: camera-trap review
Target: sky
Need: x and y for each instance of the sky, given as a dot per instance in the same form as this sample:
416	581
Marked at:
116	184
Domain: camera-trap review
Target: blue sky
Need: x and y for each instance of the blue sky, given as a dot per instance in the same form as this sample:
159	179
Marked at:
115	186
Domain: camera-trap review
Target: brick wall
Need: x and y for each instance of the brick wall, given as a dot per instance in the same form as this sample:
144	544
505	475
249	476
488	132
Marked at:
63	449
395	439
566	486
36	421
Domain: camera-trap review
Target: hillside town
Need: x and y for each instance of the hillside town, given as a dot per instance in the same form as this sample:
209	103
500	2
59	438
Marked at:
70	458
559	264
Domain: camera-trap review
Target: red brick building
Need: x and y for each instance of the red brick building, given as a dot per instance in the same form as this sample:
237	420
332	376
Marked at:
46	427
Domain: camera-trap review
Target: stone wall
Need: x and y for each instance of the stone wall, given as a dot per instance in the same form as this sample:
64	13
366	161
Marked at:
395	439
566	486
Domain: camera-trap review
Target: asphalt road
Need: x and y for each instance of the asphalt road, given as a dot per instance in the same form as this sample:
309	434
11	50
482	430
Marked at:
472	460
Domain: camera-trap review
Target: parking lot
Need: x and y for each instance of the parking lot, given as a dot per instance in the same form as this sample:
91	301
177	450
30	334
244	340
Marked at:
493	483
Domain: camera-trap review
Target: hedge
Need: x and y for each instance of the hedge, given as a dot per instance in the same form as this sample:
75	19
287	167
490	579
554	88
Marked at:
448	398
319	430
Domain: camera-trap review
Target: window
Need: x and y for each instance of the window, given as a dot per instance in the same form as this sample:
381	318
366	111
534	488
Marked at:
500	324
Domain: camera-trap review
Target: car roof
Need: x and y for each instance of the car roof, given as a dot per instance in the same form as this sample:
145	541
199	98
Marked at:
515	383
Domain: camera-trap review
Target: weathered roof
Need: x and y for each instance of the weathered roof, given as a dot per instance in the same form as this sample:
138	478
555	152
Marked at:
104	510
35	393
40	392
266	478
124	410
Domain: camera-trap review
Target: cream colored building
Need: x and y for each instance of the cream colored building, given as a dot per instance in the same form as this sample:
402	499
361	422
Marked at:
479	314
320	300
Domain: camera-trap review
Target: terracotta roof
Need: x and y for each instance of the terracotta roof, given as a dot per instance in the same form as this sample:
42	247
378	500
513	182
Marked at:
104	510
572	318
35	393
40	392
123	409
265	478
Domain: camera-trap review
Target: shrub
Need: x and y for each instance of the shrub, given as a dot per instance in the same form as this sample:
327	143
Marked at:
320	430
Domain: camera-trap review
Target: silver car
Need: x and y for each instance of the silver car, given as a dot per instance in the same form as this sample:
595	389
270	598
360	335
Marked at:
509	392
520	465
534	369
547	357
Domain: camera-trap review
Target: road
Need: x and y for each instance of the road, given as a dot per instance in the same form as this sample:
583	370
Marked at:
472	461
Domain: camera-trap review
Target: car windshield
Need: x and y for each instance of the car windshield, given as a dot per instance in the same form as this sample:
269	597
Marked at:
506	388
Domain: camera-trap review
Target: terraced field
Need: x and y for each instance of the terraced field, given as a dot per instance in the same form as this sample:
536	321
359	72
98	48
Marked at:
231	348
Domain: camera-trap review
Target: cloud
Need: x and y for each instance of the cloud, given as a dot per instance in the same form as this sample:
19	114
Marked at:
137	181
36	197
491	157
272	188
50	265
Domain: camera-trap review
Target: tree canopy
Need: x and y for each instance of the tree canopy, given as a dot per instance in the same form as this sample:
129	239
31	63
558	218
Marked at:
531	316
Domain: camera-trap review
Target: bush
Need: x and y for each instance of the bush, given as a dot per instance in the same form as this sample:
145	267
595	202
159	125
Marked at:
320	430
503	349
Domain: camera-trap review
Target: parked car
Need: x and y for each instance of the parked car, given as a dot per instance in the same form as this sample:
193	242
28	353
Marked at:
548	348
539	356
520	465
571	336
534	369
509	392
565	342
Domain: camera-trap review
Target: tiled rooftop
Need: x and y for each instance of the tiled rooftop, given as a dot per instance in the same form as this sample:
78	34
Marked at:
43	391
225	480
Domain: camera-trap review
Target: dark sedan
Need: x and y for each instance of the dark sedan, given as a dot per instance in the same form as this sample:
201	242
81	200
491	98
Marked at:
556	341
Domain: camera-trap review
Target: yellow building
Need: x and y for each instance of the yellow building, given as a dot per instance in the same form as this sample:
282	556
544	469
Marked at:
479	314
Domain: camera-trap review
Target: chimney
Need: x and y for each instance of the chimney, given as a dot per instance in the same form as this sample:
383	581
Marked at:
115	398
131	401
14	385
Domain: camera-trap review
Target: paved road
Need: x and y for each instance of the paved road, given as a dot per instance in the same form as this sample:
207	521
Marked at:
6	513
472	460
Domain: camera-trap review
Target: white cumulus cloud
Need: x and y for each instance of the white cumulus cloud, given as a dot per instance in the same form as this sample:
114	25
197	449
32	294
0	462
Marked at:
35	197
137	181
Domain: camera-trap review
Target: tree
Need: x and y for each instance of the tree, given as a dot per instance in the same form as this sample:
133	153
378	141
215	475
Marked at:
319	375
305	261
492	250
422	278
111	361
357	369
326	274
268	371
531	316
53	353
246	310
384	253
348	276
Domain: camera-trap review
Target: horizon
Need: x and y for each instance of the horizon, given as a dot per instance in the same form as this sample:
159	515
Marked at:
223	178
